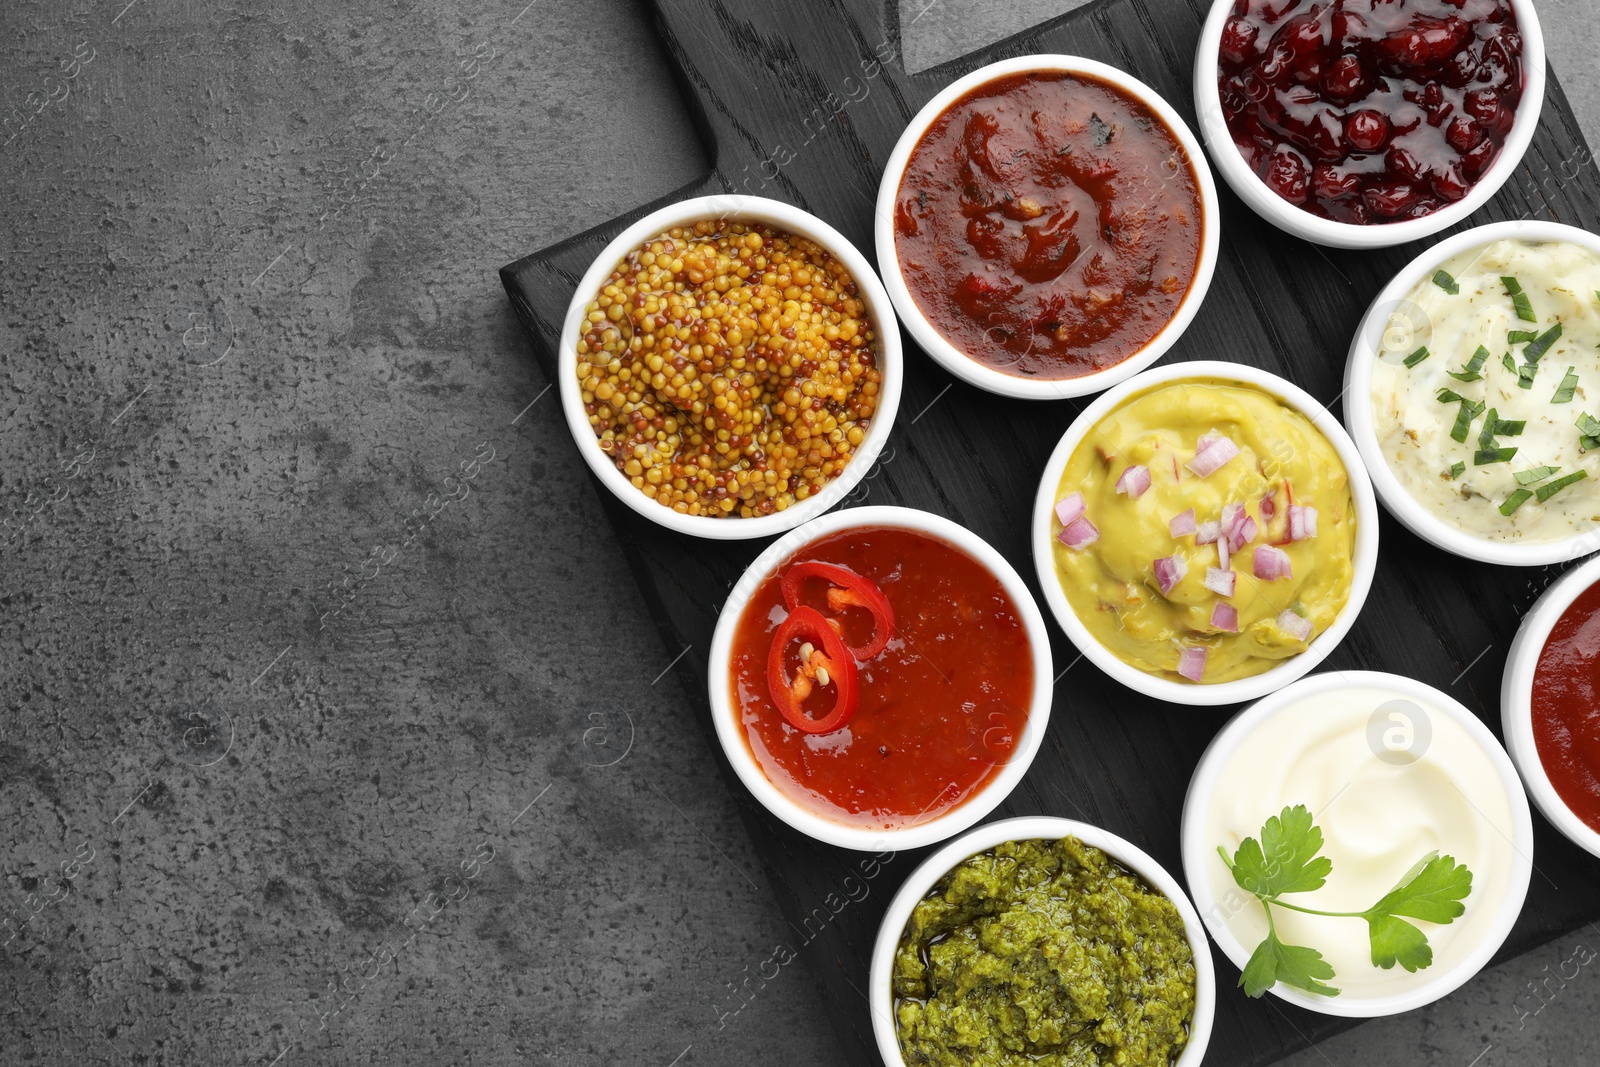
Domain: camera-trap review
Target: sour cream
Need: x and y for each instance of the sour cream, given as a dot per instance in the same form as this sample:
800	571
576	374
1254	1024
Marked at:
1388	779
1413	426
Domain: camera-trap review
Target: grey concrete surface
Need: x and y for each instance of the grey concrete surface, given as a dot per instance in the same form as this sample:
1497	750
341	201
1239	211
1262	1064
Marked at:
335	732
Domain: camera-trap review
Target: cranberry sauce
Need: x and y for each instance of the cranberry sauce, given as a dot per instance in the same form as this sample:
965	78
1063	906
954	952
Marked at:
1371	111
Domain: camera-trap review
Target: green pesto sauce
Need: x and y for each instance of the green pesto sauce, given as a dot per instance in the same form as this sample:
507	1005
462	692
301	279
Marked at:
1045	954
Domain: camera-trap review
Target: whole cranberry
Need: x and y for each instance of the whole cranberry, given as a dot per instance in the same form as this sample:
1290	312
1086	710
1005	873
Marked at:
1325	135
1302	35
1256	87
1367	130
1279	65
1476	162
1482	104
1462	133
1239	42
1448	183
1333	182
1346	81
1288	174
1402	163
1459	69
1390	198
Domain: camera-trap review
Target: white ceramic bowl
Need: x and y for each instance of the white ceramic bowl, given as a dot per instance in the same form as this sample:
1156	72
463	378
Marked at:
880	993
725	714
1364	348
1207	693
1291	219
746	209
1199	850
958	362
1516	701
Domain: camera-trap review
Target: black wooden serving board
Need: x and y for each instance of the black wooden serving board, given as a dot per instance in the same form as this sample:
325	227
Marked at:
792	104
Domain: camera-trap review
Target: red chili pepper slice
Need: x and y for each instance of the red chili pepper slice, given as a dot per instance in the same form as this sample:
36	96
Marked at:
829	654
846	589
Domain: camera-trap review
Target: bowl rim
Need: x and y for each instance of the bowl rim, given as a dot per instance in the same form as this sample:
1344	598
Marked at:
732	737
1358	417
928	336
1196	849
735	207
1026	828
1286	216
1516	701
1364	563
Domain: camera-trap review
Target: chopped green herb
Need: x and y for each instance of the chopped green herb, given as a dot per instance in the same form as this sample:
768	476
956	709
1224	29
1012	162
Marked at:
1417	357
1515	501
1448	396
1485	456
1443	280
1538	474
1509	427
1540	345
1569	386
1588	425
1525	375
1521	337
1486	436
1509	363
1457	469
1464	417
1519	298
1470	373
1550	489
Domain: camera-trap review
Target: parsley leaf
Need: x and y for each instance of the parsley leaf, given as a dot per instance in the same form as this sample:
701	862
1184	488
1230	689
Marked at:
1286	859
1293	965
1431	891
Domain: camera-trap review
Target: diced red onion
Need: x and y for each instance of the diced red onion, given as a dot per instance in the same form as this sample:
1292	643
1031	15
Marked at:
1223	555
1134	481
1192	663
1206	533
1269	508
1225	617
1069	508
1302	522
1296	626
1182	525
1272	563
1078	534
1220	581
1213	451
1169	572
1232	516
1245	533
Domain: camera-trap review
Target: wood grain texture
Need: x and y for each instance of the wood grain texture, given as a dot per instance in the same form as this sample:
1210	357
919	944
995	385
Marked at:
793	105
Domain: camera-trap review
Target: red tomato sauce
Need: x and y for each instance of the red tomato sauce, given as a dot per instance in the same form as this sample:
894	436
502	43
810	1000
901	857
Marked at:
1566	707
942	707
1049	224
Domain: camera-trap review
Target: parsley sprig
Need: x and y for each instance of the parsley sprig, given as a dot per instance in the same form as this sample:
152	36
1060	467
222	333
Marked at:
1288	859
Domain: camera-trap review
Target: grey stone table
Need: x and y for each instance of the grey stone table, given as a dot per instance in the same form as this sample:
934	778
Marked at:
334	730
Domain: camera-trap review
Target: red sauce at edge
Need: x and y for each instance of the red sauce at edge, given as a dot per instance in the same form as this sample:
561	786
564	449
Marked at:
1048	224
941	708
1566	707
